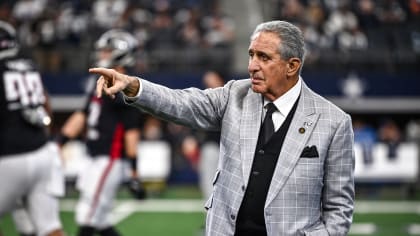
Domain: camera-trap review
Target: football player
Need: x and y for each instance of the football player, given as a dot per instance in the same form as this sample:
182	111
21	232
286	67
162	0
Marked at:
27	159
112	136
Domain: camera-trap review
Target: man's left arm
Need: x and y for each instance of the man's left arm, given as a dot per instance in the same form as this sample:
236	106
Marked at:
338	192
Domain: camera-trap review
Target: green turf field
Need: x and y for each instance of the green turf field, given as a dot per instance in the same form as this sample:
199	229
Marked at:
191	224
141	223
180	213
185	218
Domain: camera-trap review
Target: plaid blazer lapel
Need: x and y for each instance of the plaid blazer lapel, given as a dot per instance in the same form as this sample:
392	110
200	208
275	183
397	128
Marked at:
294	142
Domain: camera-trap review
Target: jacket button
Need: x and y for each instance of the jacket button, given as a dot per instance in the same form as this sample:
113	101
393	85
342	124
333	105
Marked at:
243	187
232	217
255	173
261	152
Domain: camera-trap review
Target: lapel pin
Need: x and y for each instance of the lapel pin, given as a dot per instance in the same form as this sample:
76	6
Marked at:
307	124
301	130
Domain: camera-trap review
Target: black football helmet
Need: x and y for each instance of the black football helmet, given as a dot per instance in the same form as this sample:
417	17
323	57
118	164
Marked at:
120	47
8	41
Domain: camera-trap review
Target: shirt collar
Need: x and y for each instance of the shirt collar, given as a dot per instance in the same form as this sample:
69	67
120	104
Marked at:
285	102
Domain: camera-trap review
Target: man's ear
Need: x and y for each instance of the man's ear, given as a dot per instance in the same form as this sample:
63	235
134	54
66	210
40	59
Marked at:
293	66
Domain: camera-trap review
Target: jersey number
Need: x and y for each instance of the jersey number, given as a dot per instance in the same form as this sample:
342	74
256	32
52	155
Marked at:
25	88
92	120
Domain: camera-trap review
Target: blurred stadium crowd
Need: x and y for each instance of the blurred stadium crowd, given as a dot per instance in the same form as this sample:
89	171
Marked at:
364	33
61	31
357	34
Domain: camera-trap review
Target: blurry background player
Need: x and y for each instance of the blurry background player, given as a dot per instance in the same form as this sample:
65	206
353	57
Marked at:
27	159
112	134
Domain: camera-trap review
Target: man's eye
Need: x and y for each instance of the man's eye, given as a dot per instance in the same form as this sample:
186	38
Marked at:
263	56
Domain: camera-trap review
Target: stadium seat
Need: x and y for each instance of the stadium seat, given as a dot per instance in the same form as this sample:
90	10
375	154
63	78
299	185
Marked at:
154	160
401	169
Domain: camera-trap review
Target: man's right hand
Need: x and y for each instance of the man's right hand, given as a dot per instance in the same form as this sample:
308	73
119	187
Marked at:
111	82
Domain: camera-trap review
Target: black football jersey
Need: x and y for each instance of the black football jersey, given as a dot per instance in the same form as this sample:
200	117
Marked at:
21	97
107	120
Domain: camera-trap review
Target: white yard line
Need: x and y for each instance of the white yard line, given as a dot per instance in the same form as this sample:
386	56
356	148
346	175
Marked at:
170	205
126	208
363	228
363	207
122	211
194	205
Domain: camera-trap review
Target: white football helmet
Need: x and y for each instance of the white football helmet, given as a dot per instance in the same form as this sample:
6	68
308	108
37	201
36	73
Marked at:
115	48
8	41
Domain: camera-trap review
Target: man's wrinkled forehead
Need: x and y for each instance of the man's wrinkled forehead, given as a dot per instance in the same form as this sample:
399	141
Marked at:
265	39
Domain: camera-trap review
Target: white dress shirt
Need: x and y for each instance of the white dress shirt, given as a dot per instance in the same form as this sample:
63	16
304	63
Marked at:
284	104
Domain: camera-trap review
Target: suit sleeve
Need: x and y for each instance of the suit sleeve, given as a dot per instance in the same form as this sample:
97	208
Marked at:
338	192
201	109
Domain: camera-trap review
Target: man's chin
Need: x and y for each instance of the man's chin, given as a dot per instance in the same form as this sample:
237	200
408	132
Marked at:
256	88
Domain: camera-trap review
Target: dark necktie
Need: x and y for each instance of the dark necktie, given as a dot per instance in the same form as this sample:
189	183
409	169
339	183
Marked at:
268	125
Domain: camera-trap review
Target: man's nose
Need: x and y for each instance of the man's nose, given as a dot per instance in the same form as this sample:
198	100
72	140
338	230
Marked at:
253	65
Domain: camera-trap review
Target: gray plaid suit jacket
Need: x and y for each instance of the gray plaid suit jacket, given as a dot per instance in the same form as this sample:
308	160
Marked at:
307	196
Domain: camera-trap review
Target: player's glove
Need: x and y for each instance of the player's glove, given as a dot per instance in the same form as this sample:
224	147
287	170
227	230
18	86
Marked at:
136	188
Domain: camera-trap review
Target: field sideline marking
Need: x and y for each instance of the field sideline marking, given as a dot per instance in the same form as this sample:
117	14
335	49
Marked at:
152	205
370	228
196	205
362	228
122	211
364	207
